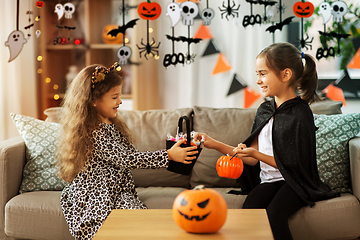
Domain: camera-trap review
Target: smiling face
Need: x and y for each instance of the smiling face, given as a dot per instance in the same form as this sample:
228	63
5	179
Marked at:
273	85
107	105
268	81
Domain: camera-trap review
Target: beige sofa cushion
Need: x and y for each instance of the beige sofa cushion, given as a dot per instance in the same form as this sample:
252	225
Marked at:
229	125
149	129
327	107
36	215
316	219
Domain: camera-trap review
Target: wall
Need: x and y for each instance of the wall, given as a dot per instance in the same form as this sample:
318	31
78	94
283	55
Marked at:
17	82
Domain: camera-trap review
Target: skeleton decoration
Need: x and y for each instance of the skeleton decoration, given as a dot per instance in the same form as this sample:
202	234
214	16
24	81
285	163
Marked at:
124	53
207	15
338	9
189	10
69	9
16	39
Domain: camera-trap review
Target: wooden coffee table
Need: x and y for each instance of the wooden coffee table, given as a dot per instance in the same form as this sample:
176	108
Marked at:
159	224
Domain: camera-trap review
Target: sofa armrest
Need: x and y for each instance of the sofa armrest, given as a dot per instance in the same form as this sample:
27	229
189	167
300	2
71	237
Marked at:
354	154
12	161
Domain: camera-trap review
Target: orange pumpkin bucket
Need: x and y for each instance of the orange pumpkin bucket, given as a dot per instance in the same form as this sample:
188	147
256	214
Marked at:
229	167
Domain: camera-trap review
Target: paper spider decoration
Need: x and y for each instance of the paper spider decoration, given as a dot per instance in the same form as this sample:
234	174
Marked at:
229	10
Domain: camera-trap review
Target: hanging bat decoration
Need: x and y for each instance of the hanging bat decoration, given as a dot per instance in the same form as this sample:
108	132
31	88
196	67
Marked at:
122	29
184	39
279	25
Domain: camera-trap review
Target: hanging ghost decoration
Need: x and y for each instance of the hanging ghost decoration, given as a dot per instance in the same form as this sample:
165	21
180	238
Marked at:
338	10
189	10
15	42
173	11
325	11
59	10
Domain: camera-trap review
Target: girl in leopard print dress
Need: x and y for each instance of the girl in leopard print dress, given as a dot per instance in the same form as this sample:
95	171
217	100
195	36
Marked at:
96	152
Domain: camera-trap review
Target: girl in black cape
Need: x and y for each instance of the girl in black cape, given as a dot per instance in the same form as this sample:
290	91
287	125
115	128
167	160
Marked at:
282	143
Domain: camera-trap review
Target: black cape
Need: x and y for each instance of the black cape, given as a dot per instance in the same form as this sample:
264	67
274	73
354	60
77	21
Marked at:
294	147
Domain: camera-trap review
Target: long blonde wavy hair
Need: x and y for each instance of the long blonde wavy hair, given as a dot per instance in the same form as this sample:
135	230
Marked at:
79	118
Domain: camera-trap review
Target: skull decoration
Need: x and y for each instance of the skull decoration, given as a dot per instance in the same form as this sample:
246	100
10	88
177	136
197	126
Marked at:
338	10
69	9
189	10
124	54
207	15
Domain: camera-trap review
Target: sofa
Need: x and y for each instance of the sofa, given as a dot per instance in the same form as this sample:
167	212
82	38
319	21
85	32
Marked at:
35	213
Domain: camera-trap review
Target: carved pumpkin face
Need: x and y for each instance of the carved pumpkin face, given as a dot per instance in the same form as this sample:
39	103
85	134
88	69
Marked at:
149	10
303	9
200	210
39	4
107	38
229	168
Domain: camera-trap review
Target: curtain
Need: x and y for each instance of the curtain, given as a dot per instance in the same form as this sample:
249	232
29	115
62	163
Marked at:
17	81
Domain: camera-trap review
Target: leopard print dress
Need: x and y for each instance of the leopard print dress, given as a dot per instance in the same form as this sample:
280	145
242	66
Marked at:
106	183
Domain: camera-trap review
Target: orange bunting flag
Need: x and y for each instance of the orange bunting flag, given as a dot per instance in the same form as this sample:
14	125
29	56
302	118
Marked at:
203	33
222	65
251	96
334	93
355	61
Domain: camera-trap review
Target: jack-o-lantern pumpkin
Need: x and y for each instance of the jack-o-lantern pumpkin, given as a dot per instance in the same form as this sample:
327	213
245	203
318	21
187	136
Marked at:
201	210
108	38
229	167
39	4
303	9
149	10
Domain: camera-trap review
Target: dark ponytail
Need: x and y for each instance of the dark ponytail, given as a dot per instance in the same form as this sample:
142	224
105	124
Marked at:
308	82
